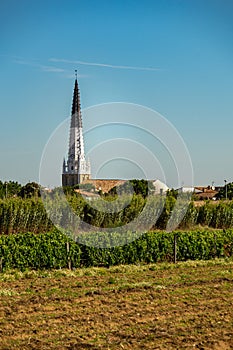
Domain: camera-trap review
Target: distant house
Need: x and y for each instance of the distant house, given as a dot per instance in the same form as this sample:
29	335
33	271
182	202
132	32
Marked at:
159	187
207	192
186	189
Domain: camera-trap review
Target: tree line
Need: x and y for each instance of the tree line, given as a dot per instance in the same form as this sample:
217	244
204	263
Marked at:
142	187
10	189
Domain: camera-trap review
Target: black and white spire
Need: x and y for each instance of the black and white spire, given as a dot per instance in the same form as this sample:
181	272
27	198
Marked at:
76	163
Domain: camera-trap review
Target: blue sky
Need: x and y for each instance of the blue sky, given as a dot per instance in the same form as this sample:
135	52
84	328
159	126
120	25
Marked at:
175	57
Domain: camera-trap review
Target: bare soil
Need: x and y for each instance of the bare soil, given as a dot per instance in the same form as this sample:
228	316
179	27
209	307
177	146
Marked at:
158	306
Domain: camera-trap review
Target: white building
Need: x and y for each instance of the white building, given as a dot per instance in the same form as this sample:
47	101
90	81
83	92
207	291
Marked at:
160	187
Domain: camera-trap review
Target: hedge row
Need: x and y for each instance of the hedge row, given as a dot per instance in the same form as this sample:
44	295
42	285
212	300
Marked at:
57	250
24	215
38	251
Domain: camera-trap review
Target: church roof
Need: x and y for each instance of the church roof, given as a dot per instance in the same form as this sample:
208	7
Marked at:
105	185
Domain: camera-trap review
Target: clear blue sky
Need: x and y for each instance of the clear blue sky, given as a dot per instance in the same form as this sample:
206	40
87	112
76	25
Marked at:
188	46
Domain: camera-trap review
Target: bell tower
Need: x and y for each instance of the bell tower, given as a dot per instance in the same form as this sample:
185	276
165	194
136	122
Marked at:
76	169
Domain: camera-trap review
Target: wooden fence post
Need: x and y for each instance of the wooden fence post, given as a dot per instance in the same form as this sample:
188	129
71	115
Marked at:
215	245
68	250
175	248
1	260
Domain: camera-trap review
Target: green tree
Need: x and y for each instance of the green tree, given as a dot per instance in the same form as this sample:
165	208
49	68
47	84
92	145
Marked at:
136	186
228	188
9	189
31	189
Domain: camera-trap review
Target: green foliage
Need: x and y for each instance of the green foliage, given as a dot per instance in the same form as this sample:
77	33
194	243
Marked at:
166	213
9	189
132	186
22	215
228	188
29	214
172	193
38	251
216	215
31	189
191	217
68	190
49	250
140	187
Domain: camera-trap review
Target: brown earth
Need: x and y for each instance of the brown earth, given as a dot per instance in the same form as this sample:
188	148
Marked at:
164	306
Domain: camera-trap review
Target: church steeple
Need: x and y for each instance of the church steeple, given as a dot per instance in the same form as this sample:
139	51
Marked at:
76	105
76	169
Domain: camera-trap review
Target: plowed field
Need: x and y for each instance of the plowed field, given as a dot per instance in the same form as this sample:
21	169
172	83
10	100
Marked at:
161	306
